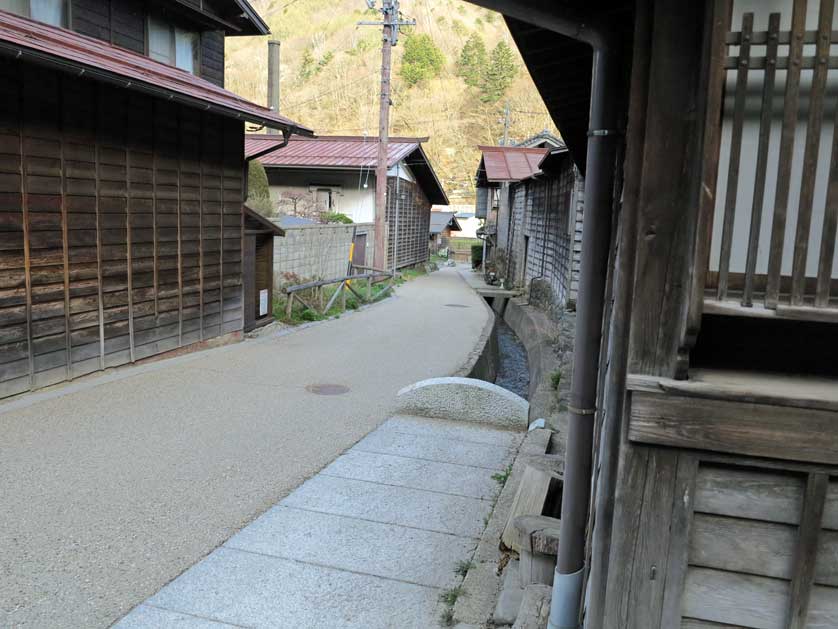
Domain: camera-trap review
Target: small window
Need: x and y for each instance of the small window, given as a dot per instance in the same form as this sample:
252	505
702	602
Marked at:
48	11
173	46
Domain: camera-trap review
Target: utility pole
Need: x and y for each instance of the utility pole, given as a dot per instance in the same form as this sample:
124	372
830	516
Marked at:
505	124
390	36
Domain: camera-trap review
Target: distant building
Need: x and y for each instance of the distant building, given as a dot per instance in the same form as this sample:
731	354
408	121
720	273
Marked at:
443	224
337	174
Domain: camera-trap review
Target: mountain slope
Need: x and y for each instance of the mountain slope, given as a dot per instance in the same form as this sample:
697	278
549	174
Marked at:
331	70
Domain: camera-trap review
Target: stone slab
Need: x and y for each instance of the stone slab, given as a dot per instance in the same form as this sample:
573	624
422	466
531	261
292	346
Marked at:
421	509
464	399
459	431
146	617
511	595
384	550
481	587
449	478
260	591
535	608
433	448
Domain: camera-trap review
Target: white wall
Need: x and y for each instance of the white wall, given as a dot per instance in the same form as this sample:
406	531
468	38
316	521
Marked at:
349	196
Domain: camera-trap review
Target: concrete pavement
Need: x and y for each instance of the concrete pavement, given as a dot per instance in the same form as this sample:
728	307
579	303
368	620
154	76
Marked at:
369	543
113	486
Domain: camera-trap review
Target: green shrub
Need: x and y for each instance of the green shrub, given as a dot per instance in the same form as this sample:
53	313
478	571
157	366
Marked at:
336	217
476	255
556	379
258	191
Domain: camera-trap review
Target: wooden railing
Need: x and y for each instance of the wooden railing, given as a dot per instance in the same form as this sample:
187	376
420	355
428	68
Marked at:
758	268
374	276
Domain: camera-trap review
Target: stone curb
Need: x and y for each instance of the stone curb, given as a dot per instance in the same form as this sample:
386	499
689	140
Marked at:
482	583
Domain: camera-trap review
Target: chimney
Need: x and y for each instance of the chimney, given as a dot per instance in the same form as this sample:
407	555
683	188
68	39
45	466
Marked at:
273	77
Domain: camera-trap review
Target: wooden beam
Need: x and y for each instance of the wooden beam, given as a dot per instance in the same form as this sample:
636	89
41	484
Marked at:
735	427
27	261
807	550
732	191
781	196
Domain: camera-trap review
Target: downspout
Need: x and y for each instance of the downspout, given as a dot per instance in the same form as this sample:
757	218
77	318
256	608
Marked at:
599	181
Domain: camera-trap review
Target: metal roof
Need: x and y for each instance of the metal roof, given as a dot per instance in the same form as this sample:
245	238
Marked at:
441	220
329	151
80	55
509	163
346	152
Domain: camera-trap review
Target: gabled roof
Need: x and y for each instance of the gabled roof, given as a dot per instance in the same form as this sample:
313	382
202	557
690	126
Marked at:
67	51
335	151
255	222
508	163
544	139
442	220
341	152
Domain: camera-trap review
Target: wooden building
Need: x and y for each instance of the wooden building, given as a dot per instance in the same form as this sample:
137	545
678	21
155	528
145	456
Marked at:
258	268
121	183
313	176
535	226
441	226
701	475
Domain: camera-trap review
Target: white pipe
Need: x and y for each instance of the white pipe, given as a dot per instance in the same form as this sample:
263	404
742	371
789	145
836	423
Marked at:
564	606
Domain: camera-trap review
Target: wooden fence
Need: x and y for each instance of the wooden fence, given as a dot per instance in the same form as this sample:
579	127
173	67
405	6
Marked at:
374	276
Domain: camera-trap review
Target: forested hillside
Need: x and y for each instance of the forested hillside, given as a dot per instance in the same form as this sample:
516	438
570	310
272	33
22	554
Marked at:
453	73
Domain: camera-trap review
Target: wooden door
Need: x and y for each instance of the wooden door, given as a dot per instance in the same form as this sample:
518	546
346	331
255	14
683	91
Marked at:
359	254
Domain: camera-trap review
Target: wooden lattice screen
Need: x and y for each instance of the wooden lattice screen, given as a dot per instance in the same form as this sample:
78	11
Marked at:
777	195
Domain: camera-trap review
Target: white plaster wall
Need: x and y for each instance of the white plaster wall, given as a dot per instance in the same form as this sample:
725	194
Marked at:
349	196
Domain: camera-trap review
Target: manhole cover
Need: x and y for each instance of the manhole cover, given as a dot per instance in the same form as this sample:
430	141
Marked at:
327	389
456	306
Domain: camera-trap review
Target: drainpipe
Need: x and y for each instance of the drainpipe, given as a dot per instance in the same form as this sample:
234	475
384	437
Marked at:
273	78
599	181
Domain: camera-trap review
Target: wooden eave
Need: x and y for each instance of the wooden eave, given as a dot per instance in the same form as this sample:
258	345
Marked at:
255	223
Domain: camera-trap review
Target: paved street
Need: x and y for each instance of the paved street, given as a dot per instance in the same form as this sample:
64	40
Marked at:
114	486
369	543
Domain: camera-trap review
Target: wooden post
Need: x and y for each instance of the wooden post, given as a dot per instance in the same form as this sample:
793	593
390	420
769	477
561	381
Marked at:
342	290
369	288
289	305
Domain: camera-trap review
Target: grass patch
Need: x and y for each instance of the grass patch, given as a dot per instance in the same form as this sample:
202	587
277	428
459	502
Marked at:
449	597
556	379
446	618
463	567
501	477
463	244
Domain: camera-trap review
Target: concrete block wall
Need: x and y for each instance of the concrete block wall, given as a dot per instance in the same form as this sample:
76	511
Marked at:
308	252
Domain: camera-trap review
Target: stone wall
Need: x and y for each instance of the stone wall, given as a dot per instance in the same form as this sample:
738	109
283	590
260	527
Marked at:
317	251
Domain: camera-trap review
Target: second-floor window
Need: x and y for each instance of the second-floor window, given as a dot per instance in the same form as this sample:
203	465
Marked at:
49	11
172	45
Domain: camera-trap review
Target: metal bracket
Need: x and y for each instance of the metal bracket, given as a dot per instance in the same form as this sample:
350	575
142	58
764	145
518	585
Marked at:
597	133
581	411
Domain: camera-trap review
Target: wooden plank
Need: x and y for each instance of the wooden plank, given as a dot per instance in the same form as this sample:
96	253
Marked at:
719	23
735	599
781	197
826	559
766	116
529	500
830	514
179	123
725	543
751	494
828	228
732	191
810	155
823	608
735	427
27	263
807	547
681	532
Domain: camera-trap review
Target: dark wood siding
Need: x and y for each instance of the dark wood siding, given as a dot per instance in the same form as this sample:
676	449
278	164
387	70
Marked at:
128	24
120	234
92	18
212	57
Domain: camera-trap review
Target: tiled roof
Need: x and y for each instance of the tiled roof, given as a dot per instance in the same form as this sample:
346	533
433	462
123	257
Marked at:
510	163
85	56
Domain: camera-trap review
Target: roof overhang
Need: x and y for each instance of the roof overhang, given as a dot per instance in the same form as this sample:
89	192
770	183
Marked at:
236	17
426	177
66	51
255	223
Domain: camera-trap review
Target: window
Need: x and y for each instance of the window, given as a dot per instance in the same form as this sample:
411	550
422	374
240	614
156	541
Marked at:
49	11
172	45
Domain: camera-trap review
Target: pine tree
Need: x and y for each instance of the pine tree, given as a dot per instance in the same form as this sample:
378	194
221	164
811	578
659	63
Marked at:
499	75
421	60
473	61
